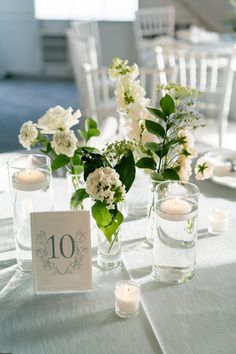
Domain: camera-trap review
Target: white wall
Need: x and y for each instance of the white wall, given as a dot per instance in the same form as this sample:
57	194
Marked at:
19	41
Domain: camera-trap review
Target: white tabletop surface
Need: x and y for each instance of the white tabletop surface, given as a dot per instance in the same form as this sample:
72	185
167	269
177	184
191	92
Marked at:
193	318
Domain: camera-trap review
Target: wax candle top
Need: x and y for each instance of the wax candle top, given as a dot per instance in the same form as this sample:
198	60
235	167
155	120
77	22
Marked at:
218	214
175	206
29	180
127	290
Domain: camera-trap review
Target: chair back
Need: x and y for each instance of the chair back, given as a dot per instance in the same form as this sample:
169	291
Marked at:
208	71
89	29
99	93
152	22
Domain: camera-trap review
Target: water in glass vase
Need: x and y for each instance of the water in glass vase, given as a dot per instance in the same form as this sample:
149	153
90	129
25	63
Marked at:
175	244
109	253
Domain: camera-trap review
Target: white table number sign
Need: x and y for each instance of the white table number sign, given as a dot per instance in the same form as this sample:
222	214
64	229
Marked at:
61	251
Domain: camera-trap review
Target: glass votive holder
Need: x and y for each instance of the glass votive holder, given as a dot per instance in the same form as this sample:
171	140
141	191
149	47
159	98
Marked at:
127	298
217	221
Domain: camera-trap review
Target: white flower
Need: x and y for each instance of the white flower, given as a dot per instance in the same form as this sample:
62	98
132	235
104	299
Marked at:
28	133
64	142
203	168
129	92
57	118
188	137
185	169
104	185
120	68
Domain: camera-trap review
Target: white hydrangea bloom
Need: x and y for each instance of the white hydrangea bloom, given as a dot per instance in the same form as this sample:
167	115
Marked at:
28	133
64	142
203	168
185	169
104	185
57	118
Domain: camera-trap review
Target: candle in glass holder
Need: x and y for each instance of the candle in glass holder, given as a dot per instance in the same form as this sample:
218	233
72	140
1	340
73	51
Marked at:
175	209
29	180
218	221
127	298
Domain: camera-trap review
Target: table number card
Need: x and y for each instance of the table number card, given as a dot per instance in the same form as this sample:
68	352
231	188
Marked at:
61	251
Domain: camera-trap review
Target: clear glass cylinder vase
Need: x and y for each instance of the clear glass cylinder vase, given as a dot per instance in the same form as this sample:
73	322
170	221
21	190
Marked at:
176	211
31	185
109	252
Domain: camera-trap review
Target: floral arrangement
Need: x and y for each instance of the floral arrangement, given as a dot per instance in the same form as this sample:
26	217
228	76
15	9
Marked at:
107	180
164	135
160	141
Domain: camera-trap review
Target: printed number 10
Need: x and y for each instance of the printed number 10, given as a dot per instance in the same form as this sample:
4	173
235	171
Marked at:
61	246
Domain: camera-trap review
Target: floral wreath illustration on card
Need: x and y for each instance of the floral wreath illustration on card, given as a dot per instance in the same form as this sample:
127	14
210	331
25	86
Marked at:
48	260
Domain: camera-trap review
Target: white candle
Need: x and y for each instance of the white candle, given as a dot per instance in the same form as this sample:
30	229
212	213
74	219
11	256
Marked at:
127	298
175	209
29	180
218	221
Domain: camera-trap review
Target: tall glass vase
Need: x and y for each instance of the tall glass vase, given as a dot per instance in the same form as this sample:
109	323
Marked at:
176	210
109	252
31	186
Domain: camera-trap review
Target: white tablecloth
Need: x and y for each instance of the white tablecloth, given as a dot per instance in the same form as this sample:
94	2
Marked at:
193	318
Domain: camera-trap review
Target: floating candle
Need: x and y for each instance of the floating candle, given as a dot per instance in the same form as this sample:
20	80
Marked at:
29	180
127	298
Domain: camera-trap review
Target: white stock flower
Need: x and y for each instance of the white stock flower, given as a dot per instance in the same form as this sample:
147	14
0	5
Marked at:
203	168
28	133
64	142
185	169
104	185
129	92
57	118
120	68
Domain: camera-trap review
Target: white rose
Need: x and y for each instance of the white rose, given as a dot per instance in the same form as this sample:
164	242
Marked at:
57	119
28	134
203	168
64	142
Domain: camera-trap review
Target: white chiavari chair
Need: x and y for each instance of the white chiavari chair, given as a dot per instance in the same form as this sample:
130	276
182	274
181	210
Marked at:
210	72
149	25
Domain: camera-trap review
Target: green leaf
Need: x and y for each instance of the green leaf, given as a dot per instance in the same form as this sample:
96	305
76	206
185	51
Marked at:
111	229
157	177
78	197
92	132
167	104
153	146
108	221
90	123
155	128
92	163
156	112
146	162
170	173
126	170
60	161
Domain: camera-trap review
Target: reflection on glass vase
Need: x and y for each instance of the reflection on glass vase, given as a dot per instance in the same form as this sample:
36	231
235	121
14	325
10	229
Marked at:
109	253
151	215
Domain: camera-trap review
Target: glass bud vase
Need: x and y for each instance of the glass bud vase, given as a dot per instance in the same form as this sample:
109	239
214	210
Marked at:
109	253
75	182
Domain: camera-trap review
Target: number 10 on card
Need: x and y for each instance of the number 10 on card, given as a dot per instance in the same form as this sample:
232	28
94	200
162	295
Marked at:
61	251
